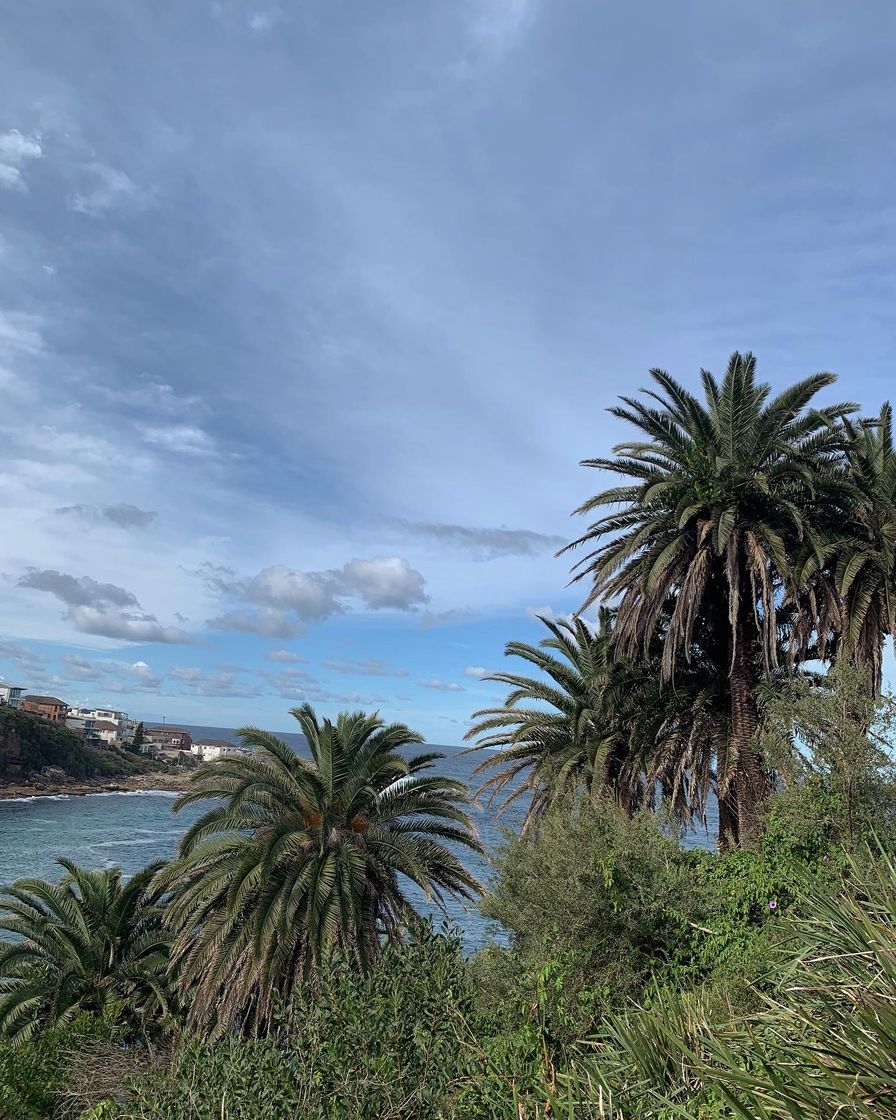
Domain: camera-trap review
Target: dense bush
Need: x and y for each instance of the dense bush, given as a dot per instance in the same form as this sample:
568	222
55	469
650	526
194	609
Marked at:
385	1044
603	911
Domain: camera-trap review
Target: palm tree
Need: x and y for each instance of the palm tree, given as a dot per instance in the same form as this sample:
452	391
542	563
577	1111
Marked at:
865	570
90	943
720	495
596	722
303	858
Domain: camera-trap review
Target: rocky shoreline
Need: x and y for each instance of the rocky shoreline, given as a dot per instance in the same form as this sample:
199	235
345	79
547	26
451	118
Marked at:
41	786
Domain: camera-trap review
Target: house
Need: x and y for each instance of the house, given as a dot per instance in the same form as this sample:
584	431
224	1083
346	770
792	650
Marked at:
47	707
209	750
11	695
157	739
125	727
107	733
80	724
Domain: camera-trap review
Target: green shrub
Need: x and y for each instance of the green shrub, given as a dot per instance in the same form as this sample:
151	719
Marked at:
352	1047
34	1077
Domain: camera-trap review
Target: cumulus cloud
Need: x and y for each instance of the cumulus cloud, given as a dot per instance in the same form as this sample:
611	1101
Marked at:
311	596
124	515
127	626
385	582
429	619
443	686
143	675
286	597
488	544
284	655
369	667
110	189
113	676
77	591
15	150
103	609
477	672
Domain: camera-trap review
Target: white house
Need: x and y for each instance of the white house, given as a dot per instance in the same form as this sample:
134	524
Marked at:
210	750
11	695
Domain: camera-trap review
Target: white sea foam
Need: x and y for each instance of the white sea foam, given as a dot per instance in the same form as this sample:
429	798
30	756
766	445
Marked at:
39	797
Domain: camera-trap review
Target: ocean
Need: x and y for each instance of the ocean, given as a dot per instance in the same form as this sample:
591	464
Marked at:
129	830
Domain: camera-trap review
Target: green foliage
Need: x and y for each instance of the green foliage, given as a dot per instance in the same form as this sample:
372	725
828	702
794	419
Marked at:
139	737
299	859
604	911
32	1077
835	735
597	722
706	543
89	943
352	1046
593	904
28	743
821	1045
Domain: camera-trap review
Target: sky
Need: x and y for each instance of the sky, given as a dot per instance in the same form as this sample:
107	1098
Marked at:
309	312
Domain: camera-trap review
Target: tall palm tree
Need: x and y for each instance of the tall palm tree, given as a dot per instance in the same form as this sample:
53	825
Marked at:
865	569
304	857
719	496
597	722
90	943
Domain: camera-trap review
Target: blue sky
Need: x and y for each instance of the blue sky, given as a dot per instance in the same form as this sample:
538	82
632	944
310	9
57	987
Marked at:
309	311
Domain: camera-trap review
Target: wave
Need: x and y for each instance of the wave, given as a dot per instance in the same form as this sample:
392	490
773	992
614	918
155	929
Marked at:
39	797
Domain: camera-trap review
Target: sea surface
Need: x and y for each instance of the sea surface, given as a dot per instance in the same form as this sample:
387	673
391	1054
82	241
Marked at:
129	830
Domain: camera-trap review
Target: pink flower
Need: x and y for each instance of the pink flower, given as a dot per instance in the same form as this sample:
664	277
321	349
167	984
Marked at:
773	905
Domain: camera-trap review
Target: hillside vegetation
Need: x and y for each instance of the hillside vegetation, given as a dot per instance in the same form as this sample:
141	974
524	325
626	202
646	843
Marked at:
29	743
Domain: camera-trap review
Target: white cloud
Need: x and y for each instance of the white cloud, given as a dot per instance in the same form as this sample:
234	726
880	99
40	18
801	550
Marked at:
144	675
267	621
15	149
11	178
125	625
385	582
443	686
287	597
112	189
20	333
309	595
477	672
264	20
284	655
488	544
102	609
498	25
184	438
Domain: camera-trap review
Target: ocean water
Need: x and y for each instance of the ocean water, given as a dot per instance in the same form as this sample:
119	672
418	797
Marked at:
129	830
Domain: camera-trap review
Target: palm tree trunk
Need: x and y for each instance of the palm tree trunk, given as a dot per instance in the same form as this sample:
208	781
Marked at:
749	782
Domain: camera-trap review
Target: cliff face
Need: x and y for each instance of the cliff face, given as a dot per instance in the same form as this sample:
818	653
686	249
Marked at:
29	744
